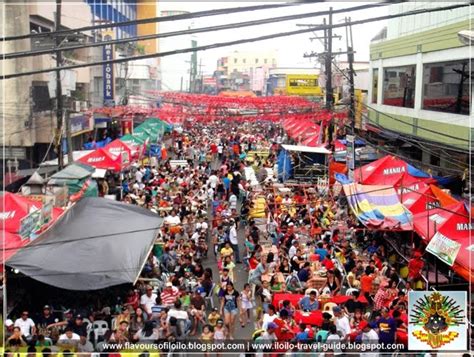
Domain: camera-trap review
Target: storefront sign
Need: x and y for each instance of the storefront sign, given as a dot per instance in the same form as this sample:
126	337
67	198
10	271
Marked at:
444	248
108	71
80	124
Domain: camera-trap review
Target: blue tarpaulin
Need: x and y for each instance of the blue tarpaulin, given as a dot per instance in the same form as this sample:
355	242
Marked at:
285	168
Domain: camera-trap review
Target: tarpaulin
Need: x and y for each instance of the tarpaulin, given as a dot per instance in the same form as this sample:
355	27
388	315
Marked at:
377	206
97	243
285	167
392	171
452	224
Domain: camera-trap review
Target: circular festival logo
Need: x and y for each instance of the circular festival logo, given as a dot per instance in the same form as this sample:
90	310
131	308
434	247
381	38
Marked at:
434	316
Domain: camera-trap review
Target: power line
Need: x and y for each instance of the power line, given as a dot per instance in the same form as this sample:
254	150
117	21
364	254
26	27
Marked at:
189	31
229	43
193	15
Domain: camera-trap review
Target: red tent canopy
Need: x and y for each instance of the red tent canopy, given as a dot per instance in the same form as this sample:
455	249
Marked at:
388	170
454	223
101	159
116	147
419	200
14	208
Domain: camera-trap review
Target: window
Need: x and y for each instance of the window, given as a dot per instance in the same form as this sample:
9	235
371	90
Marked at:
399	86
41	100
244	60
446	87
235	60
265	61
375	84
256	60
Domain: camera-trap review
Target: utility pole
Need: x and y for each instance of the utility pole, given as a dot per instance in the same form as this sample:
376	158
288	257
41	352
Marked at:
350	59
328	63
59	92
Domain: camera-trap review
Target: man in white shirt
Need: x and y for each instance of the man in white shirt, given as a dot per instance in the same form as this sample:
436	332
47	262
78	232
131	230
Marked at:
233	201
26	325
212	180
370	339
293	248
234	241
333	341
139	176
342	322
147	300
69	338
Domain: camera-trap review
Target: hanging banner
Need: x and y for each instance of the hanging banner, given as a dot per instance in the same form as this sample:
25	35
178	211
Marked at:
108	71
47	210
444	248
350	155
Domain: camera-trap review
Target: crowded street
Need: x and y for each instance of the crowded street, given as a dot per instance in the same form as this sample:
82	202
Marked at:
175	185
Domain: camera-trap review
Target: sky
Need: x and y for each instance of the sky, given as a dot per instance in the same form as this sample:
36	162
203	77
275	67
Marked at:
290	49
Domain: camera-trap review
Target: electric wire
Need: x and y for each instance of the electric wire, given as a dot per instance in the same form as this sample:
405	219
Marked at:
193	15
226	44
190	31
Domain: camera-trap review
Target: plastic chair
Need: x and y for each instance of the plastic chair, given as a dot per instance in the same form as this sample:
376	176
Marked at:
350	291
99	327
88	324
329	306
112	323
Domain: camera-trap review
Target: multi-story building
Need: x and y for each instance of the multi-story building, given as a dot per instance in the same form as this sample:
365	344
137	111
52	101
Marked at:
245	71
132	80
419	98
27	103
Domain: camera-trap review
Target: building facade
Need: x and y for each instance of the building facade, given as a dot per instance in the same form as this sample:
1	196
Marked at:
420	87
28	103
245	71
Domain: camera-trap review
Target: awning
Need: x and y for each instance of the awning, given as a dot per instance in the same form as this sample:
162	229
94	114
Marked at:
97	243
301	148
452	228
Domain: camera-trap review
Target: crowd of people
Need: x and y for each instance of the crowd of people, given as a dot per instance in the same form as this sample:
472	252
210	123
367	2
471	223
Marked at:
312	272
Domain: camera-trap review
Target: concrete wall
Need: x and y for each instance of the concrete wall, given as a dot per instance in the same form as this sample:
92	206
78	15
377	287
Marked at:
236	60
15	93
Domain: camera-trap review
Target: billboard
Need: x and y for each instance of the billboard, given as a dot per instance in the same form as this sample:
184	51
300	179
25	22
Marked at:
303	84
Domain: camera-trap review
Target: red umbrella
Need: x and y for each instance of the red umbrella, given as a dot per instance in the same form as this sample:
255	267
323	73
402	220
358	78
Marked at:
101	159
117	147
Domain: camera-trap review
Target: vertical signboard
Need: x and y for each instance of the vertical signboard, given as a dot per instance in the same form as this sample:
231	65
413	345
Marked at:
350	155
108	71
